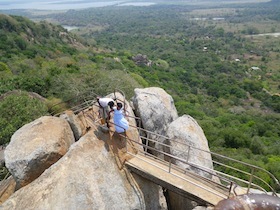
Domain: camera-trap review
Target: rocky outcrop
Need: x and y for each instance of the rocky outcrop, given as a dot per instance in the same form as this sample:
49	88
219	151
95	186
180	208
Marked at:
141	60
85	178
152	193
157	110
36	146
91	174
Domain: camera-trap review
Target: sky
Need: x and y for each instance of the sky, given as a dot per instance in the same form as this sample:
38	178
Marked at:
54	4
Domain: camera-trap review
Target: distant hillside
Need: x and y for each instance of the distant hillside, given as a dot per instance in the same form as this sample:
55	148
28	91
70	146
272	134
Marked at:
20	36
39	53
274	2
46	59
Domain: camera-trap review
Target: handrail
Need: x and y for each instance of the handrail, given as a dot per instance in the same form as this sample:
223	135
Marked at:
249	183
85	97
169	171
228	158
226	178
174	167
249	165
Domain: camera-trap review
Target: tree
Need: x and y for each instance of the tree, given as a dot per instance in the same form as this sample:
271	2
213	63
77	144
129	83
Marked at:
4	67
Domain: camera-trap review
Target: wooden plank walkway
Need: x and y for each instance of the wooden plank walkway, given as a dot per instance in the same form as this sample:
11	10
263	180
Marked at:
185	184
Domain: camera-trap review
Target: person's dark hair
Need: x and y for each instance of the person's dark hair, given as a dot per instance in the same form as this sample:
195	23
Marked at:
111	104
119	105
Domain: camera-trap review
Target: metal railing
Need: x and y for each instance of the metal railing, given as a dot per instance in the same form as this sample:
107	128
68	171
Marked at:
76	103
228	180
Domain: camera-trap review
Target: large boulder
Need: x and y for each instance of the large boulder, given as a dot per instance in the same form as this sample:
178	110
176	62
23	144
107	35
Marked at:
156	109
153	193
36	146
87	177
188	142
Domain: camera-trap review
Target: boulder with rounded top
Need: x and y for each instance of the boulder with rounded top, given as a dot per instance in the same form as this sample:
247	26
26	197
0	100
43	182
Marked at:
156	109
36	146
188	142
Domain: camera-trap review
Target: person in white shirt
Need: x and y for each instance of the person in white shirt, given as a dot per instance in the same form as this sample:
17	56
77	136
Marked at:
104	105
121	124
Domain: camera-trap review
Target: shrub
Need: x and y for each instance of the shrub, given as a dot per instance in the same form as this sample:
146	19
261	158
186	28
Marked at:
4	67
17	110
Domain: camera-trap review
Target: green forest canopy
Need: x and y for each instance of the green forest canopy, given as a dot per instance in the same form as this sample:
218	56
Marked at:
193	60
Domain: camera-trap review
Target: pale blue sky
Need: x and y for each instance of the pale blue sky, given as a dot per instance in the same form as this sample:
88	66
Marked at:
54	4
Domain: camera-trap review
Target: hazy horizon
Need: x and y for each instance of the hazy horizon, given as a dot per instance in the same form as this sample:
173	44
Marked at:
54	4
82	4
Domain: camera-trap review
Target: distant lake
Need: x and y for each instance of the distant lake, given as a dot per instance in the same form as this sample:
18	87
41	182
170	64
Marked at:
137	4
70	28
64	4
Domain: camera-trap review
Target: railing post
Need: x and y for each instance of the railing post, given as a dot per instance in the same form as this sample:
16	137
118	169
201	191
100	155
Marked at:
169	167
230	189
250	180
146	145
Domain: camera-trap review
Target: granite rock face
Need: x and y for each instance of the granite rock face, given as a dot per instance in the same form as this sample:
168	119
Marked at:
185	132
53	171
156	109
85	178
36	146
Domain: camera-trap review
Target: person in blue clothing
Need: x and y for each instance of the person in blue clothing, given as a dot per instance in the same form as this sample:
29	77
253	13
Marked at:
121	124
